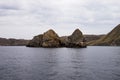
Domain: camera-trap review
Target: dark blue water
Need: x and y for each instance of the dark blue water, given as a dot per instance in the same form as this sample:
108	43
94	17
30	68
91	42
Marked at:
91	63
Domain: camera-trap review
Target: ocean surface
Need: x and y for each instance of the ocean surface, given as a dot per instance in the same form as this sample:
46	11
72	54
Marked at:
91	63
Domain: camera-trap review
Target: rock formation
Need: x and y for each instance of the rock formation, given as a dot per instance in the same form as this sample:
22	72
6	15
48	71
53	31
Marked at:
36	41
111	39
50	39
74	40
76	36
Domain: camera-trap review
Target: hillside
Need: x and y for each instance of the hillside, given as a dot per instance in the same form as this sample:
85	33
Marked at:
13	42
111	39
89	38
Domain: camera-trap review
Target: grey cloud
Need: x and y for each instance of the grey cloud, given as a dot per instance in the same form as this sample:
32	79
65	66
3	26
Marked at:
60	14
9	7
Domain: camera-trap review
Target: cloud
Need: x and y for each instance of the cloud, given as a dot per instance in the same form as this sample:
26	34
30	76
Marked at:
8	7
91	16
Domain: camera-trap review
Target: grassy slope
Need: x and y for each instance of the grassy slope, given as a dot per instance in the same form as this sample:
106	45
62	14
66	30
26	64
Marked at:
112	38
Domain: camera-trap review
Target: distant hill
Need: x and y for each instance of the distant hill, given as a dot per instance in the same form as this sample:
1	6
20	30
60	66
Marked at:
13	42
89	38
111	39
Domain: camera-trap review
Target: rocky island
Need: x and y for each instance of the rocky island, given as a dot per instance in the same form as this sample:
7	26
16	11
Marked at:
50	39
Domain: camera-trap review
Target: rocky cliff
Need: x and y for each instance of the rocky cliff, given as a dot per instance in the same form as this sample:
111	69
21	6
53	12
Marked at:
111	39
51	39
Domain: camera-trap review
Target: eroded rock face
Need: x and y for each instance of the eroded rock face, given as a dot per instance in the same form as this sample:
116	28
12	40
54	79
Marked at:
50	39
36	41
76	36
74	40
64	41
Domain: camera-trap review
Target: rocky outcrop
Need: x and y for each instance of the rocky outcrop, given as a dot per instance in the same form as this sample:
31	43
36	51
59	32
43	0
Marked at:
13	42
36	41
75	40
50	39
76	36
111	39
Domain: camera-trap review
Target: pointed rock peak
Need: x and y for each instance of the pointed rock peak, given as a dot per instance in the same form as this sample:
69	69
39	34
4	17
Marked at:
76	36
77	29
50	30
51	33
77	32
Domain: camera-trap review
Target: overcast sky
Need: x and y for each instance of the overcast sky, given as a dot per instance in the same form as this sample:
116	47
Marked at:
27	18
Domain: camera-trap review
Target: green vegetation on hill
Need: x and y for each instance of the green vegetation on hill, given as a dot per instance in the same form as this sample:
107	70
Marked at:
111	39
